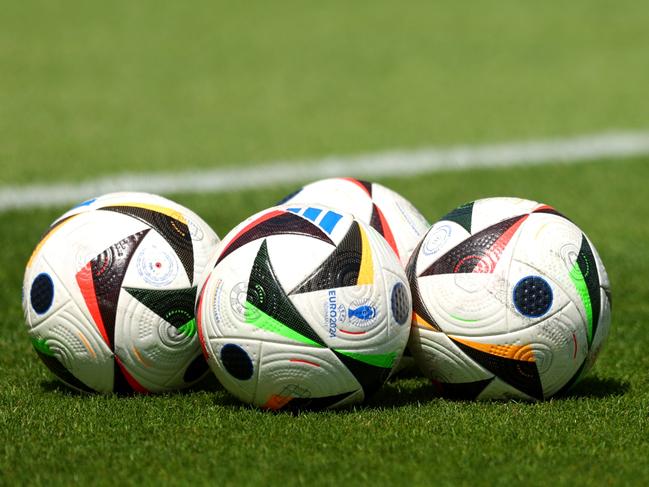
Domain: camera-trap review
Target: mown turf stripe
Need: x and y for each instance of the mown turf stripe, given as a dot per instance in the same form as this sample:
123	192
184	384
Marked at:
569	150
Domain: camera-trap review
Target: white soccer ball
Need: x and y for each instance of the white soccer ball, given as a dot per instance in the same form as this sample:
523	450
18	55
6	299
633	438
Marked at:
510	299
109	294
389	213
304	307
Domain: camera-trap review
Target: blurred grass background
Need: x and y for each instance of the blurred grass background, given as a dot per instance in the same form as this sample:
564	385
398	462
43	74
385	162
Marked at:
89	88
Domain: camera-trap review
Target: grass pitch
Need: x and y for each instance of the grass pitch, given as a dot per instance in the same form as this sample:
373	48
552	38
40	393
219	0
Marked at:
405	435
90	89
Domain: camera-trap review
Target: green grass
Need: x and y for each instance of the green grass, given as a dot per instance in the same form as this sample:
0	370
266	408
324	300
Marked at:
406	435
89	88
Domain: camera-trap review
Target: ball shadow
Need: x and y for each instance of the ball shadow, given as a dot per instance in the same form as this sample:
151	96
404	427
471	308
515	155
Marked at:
207	384
405	390
594	387
414	390
392	395
402	392
58	387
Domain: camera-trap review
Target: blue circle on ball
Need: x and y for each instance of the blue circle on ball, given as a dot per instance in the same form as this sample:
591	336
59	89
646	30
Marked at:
400	303
236	361
41	294
533	296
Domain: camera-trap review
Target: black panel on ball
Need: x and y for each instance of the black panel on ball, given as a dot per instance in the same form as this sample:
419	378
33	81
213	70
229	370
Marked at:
474	251
462	215
400	303
267	295
42	293
340	269
533	296
175	232
236	361
60	371
196	369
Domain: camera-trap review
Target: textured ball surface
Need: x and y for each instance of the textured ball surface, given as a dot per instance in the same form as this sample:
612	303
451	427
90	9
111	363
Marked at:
510	299
304	307
110	290
389	213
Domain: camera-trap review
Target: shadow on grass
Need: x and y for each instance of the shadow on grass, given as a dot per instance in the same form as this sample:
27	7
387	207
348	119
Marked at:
58	387
407	389
596	388
394	394
420	391
208	384
413	390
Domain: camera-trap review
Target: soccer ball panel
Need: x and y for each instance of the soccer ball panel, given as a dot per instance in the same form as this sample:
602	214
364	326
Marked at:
286	255
303	373
322	300
442	360
538	360
602	331
344	194
407	224
83	237
466	303
69	344
122	271
157	336
238	361
162	214
396	219
155	266
43	292
551	245
442	237
604	323
523	294
230	311
488	211
533	296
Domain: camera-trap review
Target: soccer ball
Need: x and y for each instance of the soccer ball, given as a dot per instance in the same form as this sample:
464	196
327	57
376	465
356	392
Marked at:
110	290
510	300
390	214
304	307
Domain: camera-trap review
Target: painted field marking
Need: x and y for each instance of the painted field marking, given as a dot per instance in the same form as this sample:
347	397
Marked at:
569	150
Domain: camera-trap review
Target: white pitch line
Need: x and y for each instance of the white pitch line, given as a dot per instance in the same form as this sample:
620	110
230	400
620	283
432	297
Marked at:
380	164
